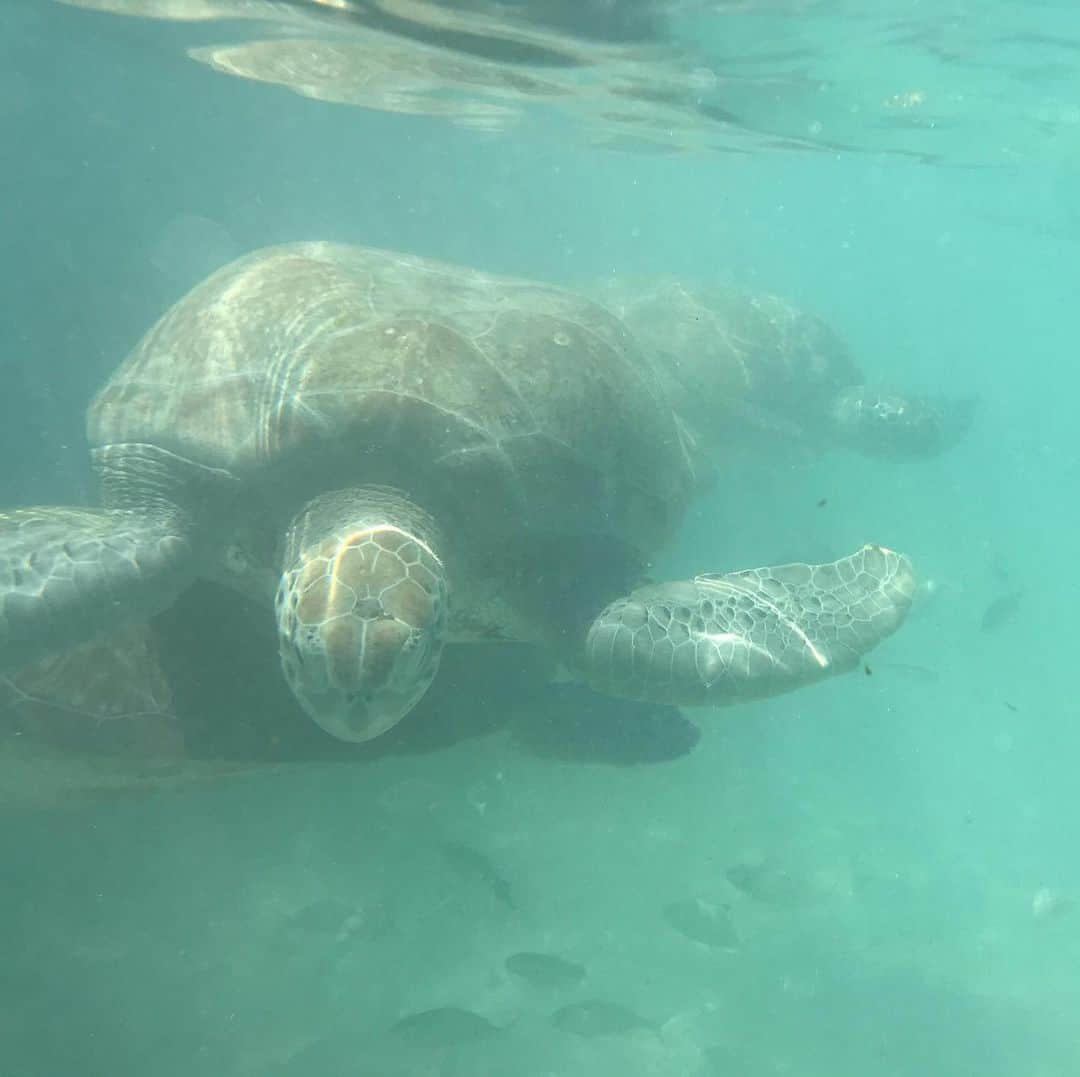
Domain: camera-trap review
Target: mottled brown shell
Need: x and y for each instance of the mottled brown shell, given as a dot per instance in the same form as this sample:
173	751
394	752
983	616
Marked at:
511	404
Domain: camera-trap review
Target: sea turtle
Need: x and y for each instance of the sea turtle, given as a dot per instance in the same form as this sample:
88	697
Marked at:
738	363
391	453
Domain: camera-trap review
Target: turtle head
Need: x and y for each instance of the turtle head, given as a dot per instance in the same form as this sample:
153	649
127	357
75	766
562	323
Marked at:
892	424
361	614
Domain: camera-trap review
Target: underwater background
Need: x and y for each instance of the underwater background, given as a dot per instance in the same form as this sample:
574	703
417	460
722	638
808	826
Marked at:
871	876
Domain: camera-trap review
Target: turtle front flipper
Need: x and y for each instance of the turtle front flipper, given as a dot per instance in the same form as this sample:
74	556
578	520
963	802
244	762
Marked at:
716	640
69	576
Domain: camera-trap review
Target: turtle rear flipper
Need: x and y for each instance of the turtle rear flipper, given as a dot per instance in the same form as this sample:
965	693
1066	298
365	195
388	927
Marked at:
109	696
100	722
70	575
716	640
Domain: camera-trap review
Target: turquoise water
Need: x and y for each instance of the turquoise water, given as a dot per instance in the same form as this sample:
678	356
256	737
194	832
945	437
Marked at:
893	855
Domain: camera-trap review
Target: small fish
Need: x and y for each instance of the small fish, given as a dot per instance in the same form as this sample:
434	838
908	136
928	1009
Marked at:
545	970
446	1026
321	917
1011	706
911	671
867	670
822	502
472	865
595	1018
703	922
1048	903
768	883
1000	612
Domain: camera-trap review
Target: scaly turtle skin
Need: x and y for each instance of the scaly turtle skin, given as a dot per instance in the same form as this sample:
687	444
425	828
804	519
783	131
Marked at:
393	453
736	363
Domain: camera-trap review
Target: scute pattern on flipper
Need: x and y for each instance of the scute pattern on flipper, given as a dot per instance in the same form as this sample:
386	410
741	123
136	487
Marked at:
841	609
59	567
721	639
109	697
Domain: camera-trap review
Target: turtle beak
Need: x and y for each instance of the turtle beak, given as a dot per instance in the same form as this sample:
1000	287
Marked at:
359	680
